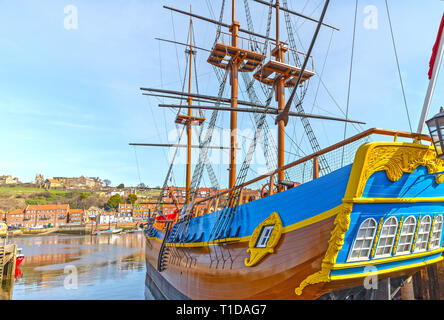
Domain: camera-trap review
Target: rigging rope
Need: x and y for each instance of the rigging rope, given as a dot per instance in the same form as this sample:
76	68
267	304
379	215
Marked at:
177	55
324	167
184	81
203	156
322	71
268	143
225	218
160	67
169	176
221	224
221	16
360	129
169	173
397	63
350	79
184	221
314	10
201	113
137	164
211	174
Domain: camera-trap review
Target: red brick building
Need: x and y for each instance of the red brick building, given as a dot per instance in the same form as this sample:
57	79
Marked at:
44	215
15	218
176	196
141	211
179	193
76	215
125	208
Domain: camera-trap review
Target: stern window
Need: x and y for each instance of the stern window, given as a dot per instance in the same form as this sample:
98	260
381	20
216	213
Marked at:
423	234
436	234
406	236
387	238
364	240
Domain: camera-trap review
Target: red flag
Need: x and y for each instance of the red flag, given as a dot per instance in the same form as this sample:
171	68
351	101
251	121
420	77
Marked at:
436	48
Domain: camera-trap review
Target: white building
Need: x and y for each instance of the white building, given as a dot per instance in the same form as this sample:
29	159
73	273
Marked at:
111	218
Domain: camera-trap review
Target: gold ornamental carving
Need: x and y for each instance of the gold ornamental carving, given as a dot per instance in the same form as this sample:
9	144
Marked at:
257	254
393	158
397	160
342	223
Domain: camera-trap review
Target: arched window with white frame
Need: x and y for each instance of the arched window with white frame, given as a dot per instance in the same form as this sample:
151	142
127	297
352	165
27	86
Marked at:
387	238
406	236
435	241
423	234
364	240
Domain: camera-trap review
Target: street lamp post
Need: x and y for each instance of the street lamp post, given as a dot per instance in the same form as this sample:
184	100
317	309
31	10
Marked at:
436	129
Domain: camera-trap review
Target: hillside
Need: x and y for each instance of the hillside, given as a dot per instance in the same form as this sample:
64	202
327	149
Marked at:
17	197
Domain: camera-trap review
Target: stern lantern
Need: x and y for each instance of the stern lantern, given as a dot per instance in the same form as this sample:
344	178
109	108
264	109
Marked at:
436	129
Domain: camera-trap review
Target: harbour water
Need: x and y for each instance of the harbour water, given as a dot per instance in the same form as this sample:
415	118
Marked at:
102	267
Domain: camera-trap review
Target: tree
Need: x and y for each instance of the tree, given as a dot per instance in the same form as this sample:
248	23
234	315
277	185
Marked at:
141	185
113	202
132	198
121	186
107	182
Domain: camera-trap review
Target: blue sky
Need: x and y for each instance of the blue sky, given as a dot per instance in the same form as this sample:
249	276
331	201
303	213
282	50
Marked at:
71	103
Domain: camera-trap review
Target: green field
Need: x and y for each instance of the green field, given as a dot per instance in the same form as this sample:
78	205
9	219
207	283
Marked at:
27	190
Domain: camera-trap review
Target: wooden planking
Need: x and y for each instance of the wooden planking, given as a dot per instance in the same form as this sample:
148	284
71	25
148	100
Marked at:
290	73
185	119
298	255
351	283
2	261
222	50
8	255
220	53
439	280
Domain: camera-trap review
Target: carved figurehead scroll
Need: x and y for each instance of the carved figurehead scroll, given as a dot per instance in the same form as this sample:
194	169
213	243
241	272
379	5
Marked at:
264	239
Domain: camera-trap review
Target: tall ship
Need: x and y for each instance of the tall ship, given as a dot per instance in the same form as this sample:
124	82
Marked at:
371	204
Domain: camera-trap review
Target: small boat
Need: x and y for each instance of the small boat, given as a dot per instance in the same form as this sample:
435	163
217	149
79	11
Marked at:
18	260
111	231
132	231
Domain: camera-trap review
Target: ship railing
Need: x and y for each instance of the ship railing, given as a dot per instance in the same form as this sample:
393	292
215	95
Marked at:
305	169
243	43
293	57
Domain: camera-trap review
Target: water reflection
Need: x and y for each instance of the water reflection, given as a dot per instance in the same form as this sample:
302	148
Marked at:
80	267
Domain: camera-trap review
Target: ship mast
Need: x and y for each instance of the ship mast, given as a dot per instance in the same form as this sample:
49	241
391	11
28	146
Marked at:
285	76
279	53
234	29
276	73
190	115
187	119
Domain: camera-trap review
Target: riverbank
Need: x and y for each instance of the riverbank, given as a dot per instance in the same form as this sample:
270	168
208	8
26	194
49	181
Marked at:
73	230
103	267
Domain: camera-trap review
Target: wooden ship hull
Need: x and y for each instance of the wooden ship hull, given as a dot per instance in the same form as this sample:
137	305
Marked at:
378	215
311	249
